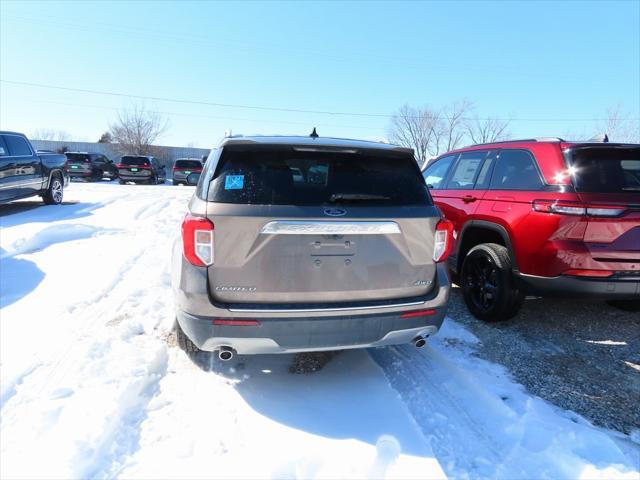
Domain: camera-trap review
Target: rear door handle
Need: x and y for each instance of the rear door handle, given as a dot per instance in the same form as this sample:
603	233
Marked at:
469	198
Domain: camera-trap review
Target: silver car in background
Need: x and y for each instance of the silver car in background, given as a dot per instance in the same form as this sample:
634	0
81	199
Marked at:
299	244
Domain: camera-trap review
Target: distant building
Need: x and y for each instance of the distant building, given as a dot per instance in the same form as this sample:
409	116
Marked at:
166	155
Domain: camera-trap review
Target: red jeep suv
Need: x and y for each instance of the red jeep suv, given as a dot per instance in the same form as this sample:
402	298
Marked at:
541	217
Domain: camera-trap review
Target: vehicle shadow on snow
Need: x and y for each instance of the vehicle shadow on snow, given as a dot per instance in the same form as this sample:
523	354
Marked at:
349	398
16	213
18	277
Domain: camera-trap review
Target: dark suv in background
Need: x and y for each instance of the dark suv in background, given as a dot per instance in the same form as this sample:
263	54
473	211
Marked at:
301	243
541	217
183	168
141	169
90	166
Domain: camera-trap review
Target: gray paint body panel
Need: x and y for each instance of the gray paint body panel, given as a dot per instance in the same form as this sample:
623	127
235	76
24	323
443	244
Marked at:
315	282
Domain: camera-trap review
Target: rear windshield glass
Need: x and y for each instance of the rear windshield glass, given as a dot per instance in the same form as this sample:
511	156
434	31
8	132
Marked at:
135	161
293	176
602	169
188	164
77	157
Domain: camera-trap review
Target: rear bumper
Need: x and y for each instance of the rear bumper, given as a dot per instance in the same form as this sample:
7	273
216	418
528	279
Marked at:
129	177
287	335
326	327
625	287
74	174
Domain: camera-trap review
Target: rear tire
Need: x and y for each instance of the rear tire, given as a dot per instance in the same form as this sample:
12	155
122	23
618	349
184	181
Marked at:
487	282
55	191
185	342
626	305
122	182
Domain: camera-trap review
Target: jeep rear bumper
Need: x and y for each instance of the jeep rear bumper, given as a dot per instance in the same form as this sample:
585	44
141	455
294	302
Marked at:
616	287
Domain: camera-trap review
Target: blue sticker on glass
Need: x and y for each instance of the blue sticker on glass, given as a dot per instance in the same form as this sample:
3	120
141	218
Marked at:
234	182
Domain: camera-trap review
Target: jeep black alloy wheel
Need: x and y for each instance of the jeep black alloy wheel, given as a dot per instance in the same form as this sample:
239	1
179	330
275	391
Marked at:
481	282
487	283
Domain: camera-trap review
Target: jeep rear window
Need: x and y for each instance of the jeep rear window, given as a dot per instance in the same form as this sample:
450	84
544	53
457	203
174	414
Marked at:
279	175
605	169
135	161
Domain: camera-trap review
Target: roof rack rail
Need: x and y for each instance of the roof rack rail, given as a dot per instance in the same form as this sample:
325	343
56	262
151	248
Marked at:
520	140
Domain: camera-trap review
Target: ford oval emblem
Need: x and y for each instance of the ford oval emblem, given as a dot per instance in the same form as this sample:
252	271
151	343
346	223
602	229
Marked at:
335	212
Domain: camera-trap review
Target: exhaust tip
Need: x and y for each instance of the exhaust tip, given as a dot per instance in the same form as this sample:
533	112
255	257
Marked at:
419	342
225	354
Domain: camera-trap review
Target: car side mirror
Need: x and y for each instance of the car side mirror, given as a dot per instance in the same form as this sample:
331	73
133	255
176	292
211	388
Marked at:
193	178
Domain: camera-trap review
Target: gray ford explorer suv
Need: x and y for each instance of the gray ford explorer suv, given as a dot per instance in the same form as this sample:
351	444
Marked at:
299	244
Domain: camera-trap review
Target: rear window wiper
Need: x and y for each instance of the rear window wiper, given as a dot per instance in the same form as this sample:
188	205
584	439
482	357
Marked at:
355	197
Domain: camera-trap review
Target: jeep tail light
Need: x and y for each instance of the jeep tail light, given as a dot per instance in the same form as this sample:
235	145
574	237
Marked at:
443	240
577	208
197	240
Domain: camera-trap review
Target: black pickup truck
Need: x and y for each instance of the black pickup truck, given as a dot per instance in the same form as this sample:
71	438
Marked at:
25	172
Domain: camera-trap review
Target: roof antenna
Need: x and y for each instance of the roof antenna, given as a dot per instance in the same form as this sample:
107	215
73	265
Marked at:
601	138
314	134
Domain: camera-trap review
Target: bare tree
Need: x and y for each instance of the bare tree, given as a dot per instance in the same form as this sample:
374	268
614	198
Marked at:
136	129
620	126
50	134
486	130
416	128
452	125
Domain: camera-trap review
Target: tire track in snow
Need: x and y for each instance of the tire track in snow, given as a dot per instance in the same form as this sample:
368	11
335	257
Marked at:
139	298
428	384
482	425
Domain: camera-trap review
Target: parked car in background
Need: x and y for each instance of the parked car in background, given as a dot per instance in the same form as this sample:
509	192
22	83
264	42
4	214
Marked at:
183	168
25	173
300	244
141	169
541	217
90	166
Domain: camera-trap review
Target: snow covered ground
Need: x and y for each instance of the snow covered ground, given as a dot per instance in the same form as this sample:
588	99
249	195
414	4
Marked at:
91	385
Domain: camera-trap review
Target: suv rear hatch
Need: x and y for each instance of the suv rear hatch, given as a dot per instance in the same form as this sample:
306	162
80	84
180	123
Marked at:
78	163
134	166
307	225
607	181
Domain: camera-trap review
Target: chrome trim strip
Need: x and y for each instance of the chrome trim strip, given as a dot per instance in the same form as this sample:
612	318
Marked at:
21	184
291	227
332	309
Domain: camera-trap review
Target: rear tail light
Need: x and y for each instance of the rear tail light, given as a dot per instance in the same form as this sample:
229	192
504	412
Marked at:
443	241
589	273
197	240
418	313
577	208
121	165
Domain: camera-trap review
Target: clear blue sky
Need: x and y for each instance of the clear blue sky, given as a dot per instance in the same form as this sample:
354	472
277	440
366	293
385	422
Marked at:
557	61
